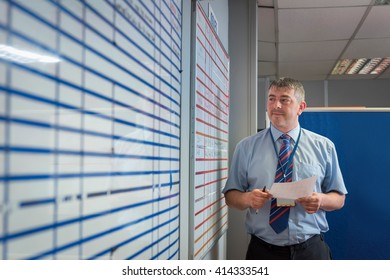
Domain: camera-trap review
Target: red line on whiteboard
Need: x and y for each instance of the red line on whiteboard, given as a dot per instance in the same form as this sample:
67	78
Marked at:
209	54
213	225
216	96
212	103
208	206
212	182
210	171
208	218
212	29
211	114
213	236
210	136
211	125
217	86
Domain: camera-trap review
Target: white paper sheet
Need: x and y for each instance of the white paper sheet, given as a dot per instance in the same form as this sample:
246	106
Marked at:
294	190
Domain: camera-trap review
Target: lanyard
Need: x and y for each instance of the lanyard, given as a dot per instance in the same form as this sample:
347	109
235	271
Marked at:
290	159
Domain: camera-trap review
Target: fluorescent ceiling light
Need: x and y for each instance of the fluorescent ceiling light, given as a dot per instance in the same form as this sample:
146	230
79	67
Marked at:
370	65
385	63
356	65
382	2
22	56
341	66
363	66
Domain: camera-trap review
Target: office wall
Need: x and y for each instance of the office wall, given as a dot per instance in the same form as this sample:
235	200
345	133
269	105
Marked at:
243	100
334	93
369	93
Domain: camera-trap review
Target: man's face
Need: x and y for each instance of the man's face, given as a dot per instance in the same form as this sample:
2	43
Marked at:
284	108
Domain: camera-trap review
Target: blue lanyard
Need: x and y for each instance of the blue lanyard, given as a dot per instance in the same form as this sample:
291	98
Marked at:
290	159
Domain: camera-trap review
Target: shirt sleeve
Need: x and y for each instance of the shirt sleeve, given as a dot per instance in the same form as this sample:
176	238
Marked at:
333	180
237	179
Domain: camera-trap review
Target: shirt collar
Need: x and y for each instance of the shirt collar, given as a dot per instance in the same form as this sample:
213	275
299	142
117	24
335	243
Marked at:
294	133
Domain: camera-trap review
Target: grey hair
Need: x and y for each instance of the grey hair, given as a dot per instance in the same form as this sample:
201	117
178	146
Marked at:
286	82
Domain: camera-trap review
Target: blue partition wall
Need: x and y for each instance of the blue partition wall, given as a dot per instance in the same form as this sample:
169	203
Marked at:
361	229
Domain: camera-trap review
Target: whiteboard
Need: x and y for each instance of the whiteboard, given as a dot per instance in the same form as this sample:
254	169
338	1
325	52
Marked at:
89	144
210	132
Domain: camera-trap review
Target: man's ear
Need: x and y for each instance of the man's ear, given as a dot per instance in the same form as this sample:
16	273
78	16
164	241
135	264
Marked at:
302	107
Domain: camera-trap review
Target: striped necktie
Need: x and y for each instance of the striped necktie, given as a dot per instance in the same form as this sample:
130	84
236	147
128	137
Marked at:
278	219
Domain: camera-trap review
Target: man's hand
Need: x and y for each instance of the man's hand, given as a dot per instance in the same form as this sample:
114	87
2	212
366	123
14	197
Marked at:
311	203
257	198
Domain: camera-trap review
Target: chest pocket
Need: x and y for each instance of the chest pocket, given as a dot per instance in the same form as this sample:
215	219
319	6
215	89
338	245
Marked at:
304	170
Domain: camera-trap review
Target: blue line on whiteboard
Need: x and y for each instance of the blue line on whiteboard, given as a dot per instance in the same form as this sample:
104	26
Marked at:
158	35
175	253
117	46
101	55
35	150
85	67
79	219
163	14
178	9
170	245
159	23
99	235
21	177
36	202
133	42
67	198
92	93
170	21
86	132
134	238
154	243
95	114
151	41
141	188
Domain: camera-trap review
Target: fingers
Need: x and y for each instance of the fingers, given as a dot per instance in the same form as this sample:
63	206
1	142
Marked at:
310	203
259	198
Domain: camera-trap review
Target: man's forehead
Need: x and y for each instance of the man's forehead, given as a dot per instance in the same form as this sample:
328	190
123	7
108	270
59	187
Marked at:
281	91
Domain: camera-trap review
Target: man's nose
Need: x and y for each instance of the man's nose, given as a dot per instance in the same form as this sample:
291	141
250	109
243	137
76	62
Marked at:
278	104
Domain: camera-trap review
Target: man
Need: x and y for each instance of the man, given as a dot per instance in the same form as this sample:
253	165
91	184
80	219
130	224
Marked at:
285	152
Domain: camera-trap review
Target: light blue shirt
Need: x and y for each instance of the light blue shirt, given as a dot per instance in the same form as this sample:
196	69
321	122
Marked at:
254	164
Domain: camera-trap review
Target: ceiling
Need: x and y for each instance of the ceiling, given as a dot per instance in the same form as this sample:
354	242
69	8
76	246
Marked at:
304	39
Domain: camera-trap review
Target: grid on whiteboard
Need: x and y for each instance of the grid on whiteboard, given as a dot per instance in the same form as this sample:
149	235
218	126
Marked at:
89	146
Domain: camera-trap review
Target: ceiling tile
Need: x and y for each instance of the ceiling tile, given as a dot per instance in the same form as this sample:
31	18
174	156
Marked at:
321	3
305	68
323	24
267	3
368	48
377	23
309	50
266	51
266	69
266	27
